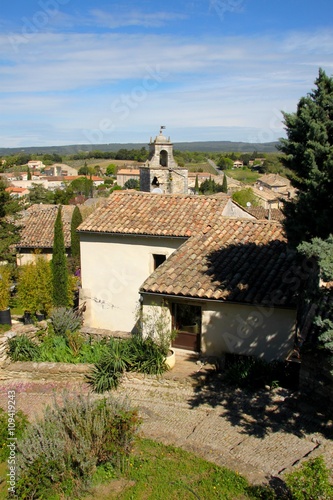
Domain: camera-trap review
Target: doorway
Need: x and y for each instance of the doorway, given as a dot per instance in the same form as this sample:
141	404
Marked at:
186	319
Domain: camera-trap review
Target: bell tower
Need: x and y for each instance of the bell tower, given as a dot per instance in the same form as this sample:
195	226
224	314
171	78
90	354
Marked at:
161	174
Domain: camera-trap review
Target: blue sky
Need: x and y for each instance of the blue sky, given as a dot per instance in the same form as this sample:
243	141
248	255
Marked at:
87	72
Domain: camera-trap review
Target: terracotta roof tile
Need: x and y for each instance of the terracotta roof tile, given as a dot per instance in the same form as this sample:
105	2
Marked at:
247	261
155	214
38	226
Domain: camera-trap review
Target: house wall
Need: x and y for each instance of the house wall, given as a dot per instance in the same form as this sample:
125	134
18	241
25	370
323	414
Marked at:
252	330
112	270
257	331
232	210
31	255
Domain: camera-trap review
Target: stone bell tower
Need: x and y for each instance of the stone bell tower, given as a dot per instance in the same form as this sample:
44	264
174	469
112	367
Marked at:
161	174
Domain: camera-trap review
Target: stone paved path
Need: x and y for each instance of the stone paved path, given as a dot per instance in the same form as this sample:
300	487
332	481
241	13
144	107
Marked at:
259	436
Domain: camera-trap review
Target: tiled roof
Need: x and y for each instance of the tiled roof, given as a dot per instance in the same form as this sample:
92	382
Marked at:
128	171
38	226
238	260
274	180
262	213
134	212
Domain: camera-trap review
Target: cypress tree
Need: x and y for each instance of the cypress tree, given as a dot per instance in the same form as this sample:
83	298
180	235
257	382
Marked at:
224	184
75	240
196	186
59	265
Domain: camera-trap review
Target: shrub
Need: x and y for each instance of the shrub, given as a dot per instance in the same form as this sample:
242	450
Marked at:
21	348
108	372
252	373
5	280
136	354
64	320
145	356
311	481
61	451
21	424
54	349
34	289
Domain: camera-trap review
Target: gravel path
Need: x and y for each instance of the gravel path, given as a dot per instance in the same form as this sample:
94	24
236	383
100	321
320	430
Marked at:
259	436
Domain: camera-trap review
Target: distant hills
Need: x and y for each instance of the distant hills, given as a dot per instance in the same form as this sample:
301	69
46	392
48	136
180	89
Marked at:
203	146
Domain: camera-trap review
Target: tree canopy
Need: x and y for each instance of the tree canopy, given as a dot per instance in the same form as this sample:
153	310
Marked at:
309	155
9	230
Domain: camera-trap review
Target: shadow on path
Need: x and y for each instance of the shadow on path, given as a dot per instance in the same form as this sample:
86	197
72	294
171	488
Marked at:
261	412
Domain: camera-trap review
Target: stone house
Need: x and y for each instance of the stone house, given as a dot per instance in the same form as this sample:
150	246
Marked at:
125	240
227	289
17	192
223	274
37	231
124	174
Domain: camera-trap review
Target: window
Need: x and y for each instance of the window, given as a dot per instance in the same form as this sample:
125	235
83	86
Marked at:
187	317
158	259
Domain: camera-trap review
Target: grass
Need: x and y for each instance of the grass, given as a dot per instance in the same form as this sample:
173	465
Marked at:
3	482
156	471
243	175
200	167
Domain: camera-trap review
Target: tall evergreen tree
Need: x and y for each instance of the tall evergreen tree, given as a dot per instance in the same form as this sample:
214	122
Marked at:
9	230
196	185
309	155
75	240
224	184
59	265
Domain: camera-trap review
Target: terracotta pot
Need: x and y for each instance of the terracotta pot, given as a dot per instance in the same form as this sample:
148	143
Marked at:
170	360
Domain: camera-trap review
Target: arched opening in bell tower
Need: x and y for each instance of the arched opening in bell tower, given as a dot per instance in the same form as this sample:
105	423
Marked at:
163	158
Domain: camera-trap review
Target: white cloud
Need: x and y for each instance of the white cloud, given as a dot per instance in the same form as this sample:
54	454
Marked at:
133	18
85	82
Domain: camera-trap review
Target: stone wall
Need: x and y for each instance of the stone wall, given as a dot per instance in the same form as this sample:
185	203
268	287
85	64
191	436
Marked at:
29	370
29	330
170	181
314	380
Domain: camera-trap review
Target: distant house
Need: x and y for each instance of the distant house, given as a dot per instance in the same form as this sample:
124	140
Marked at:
35	164
17	192
37	233
96	180
238	164
275	182
267	198
124	174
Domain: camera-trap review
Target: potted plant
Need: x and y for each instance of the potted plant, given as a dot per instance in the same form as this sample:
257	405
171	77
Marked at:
5	281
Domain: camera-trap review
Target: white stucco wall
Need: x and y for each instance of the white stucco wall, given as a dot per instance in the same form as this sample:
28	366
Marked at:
257	331
252	330
112	270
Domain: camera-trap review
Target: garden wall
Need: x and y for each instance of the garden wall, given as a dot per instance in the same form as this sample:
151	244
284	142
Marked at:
314	381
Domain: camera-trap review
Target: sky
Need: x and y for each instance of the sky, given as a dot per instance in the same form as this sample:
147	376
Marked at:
100	71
